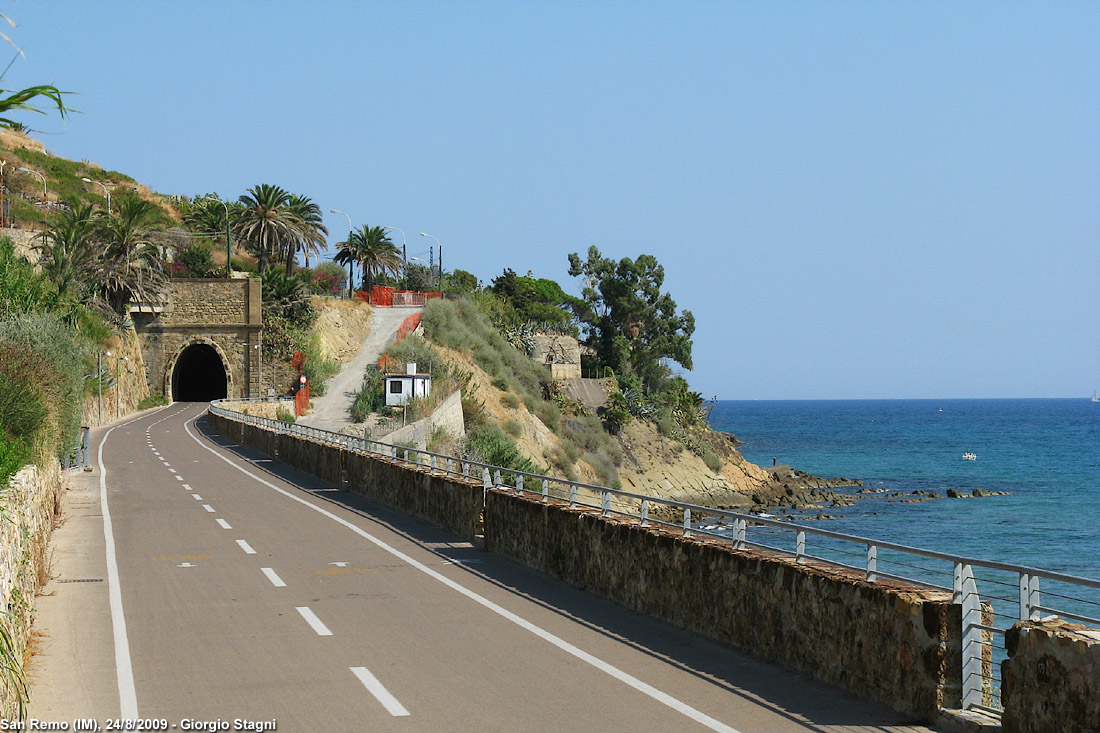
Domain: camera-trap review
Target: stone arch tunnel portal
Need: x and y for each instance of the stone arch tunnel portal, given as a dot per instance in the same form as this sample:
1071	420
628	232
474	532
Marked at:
199	375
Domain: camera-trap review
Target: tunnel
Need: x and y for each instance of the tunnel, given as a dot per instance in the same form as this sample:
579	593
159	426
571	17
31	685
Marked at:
199	375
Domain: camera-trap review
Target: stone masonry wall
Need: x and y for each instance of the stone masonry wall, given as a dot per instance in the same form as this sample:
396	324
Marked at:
1051	679
897	645
32	505
192	301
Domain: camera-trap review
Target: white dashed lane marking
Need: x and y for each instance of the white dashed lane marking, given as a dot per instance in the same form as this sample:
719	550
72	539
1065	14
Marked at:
274	578
313	621
246	547
224	524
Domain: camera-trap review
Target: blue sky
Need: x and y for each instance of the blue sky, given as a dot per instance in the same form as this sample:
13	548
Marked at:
856	200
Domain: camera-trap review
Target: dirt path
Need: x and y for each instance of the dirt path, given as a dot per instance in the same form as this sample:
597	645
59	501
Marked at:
331	412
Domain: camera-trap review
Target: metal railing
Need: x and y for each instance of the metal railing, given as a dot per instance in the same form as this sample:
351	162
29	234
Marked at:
993	595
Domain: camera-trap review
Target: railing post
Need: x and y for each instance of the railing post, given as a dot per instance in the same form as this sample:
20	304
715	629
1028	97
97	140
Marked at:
572	495
1029	597
433	464
687	523
497	481
800	547
872	563
966	595
645	512
739	534
519	484
545	490
605	503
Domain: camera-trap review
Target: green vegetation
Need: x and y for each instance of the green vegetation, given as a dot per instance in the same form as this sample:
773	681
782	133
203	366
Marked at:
372	250
284	414
153	400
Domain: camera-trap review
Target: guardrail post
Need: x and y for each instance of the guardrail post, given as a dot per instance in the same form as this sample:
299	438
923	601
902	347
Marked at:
545	490
519	484
1029	597
872	563
800	547
433	464
687	523
966	595
497	481
645	512
572	495
739	534
605	503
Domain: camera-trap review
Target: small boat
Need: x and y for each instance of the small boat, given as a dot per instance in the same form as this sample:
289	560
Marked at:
968	456
1094	397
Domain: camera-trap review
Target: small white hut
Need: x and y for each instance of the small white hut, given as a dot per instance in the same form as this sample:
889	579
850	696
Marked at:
400	388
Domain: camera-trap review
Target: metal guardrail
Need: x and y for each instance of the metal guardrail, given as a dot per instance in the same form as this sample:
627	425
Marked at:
1010	593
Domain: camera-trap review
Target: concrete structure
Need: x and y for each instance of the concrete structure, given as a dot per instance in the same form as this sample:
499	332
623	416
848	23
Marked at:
400	388
446	417
561	353
203	341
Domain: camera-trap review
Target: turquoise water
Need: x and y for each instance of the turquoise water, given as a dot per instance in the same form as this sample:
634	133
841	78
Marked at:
1045	452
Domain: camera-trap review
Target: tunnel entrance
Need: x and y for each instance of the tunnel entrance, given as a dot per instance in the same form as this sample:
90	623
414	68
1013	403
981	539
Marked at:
199	375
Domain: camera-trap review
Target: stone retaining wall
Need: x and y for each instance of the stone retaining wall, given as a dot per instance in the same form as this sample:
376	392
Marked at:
450	503
448	416
32	505
894	644
1051	679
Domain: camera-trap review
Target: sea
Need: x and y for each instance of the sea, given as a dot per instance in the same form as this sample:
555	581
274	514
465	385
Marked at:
1045	453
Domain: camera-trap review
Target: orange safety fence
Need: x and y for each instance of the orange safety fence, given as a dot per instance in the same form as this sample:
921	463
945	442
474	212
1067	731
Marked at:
301	400
387	297
408	325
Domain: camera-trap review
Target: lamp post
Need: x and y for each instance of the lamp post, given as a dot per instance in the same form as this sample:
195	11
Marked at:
351	263
99	380
118	381
3	192
228	256
105	190
28	170
404	256
425	234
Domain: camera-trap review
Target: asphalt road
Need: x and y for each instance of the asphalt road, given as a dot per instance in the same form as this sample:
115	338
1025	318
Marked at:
195	580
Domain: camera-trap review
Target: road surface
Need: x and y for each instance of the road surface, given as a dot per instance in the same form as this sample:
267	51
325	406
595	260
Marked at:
195	580
331	411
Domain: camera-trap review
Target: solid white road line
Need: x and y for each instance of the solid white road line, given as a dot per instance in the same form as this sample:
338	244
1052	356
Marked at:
224	524
628	679
124	670
246	547
313	621
273	577
208	508
389	702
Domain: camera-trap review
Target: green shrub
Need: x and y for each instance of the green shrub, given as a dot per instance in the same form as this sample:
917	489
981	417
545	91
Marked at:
371	397
509	400
153	400
713	462
14	454
284	414
40	355
489	444
513	428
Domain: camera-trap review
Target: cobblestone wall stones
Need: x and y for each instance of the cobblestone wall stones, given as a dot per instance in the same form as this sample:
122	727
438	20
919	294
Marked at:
1051	679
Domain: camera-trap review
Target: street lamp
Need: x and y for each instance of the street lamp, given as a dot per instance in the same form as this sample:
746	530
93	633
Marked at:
425	234
105	190
28	170
99	380
118	381
351	262
228	256
404	257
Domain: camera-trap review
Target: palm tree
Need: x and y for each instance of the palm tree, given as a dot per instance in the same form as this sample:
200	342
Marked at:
69	251
313	233
267	223
375	253
346	256
131	264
